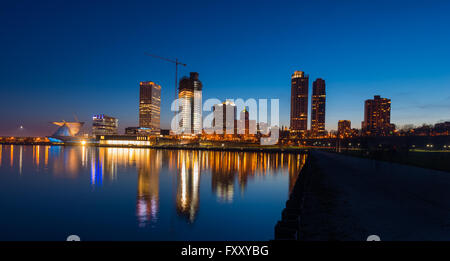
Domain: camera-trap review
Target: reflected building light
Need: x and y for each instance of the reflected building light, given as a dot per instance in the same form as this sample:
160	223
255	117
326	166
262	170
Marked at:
1	158
93	171
101	161
295	164
111	156
154	208
224	170
20	159
142	210
96	170
46	155
147	205
83	156
187	198
72	163
183	186
11	157
195	187
37	155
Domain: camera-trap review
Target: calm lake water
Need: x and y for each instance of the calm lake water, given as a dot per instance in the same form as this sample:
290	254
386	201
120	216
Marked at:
50	192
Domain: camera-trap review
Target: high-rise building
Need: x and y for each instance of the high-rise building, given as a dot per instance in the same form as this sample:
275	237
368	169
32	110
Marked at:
190	95
150	107
103	124
225	121
318	108
299	101
245	122
344	128
377	116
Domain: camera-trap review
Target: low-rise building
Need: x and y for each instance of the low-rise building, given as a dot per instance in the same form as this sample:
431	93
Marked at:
103	124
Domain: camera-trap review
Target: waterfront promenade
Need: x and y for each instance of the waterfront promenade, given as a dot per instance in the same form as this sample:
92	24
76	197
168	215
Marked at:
350	198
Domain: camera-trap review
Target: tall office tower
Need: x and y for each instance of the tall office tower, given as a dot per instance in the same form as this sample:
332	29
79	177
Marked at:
318	108
344	128
225	121
190	94
150	107
245	122
299	101
377	116
104	125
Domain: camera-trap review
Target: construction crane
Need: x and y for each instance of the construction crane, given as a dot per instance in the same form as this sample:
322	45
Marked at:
176	62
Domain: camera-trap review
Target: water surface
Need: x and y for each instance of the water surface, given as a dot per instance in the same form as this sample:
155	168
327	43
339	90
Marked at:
50	192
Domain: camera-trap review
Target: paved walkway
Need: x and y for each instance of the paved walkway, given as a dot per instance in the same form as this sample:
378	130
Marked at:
350	198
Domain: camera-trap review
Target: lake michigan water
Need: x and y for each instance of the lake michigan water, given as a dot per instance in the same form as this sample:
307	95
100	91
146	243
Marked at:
51	192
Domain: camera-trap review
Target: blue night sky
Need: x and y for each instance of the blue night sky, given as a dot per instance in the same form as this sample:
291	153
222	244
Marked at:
63	58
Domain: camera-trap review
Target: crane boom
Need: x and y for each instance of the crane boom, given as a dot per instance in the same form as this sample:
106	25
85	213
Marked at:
176	62
165	59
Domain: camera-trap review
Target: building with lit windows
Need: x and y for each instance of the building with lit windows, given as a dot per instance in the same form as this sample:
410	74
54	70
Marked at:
103	124
225	121
244	122
299	102
150	107
126	140
377	116
344	128
442	128
318	108
190	96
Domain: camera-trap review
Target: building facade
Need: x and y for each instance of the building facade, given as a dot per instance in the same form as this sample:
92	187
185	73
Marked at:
190	95
299	102
244	122
126	140
344	128
442	128
318	108
150	107
225	121
377	116
138	131
103	124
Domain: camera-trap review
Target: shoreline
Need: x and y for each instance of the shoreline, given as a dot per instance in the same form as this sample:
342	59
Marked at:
256	148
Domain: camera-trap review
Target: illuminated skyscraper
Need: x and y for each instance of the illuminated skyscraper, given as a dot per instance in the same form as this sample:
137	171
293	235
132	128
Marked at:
377	116
225	121
245	122
190	94
299	101
318	108
150	106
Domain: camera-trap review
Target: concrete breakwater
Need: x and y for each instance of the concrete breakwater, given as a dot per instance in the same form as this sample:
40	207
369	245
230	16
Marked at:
288	228
346	198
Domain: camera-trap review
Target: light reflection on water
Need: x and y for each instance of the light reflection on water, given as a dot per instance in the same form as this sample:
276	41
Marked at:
179	194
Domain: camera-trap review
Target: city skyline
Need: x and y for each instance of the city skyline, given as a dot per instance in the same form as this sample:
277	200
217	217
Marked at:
357	64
